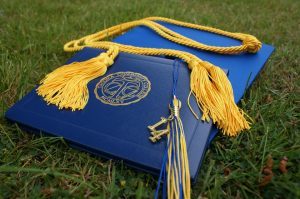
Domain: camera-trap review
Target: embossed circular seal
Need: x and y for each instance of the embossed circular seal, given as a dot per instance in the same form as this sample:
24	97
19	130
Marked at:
122	88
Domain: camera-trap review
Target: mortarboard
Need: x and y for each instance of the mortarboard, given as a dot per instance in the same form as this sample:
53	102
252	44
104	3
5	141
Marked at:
67	88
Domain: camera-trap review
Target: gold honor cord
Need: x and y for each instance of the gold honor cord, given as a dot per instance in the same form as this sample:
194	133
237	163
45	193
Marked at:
66	87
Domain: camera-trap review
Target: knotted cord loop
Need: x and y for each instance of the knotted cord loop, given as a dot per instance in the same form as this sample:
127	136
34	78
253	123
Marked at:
251	43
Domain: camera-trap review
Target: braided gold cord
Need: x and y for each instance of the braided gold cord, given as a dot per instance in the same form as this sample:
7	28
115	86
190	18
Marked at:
249	42
208	83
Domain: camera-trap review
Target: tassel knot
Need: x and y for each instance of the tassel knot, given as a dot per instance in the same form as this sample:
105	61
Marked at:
196	63
193	63
103	57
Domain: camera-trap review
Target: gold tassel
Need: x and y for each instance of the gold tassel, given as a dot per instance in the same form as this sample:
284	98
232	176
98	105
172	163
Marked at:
178	171
175	160
66	87
214	94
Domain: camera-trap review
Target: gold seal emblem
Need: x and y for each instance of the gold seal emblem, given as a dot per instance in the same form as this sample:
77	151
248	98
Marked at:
122	88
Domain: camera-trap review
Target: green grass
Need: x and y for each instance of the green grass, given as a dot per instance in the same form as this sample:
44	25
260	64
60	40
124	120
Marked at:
32	34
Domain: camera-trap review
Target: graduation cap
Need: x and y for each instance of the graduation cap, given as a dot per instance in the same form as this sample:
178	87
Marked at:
68	89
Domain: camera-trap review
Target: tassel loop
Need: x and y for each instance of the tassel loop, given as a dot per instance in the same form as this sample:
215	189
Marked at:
66	87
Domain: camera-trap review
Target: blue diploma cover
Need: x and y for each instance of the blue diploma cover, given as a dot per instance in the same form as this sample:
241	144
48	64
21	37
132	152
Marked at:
134	93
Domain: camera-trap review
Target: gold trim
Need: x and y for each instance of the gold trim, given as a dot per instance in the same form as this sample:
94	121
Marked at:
107	78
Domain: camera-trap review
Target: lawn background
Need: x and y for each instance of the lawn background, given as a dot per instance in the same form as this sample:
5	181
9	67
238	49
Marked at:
32	34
